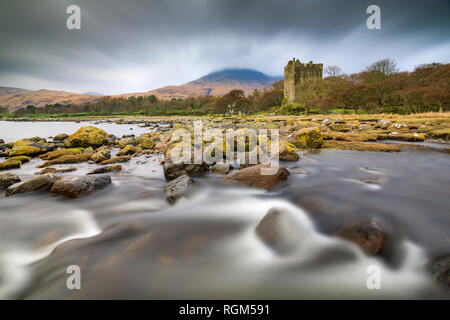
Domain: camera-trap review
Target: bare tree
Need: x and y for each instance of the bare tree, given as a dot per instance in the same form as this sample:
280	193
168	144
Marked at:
387	67
333	71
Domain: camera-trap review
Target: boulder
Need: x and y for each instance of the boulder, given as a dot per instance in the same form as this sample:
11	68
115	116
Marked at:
88	136
253	177
101	155
366	234
40	183
30	147
76	186
10	164
60	137
174	170
127	150
287	152
106	169
22	159
221	168
178	188
7	179
306	138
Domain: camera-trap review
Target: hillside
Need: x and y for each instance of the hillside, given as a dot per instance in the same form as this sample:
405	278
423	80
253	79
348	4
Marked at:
213	84
15	98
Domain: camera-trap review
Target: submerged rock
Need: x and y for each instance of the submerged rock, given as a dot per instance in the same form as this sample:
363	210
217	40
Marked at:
279	231
40	183
178	188
366	235
88	136
76	186
112	168
7	179
306	138
54	170
253	177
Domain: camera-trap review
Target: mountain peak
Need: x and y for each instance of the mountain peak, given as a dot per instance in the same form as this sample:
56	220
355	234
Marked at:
237	75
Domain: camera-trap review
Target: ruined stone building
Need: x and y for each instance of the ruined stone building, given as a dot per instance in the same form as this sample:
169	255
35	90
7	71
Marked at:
295	72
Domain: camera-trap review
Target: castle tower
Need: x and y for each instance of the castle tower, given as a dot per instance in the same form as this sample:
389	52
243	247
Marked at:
295	72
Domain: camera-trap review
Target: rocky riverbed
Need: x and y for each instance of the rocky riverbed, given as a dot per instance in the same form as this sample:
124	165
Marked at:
106	195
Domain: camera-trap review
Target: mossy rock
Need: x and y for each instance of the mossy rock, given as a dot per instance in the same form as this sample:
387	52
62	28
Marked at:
22	159
10	164
146	143
88	136
68	159
120	159
61	152
127	150
306	138
25	150
287	151
340	127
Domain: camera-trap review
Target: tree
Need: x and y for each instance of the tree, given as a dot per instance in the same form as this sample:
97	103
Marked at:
333	71
380	70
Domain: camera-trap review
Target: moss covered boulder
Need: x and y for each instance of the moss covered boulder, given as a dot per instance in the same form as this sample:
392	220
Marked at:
10	164
306	138
30	147
67	159
120	159
88	136
287	151
61	152
127	150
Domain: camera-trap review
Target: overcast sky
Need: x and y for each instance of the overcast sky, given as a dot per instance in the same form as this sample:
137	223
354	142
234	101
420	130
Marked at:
136	45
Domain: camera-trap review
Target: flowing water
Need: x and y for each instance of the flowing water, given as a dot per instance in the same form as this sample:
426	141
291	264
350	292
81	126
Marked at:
130	243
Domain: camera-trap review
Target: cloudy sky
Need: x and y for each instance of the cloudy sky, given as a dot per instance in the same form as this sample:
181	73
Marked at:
137	45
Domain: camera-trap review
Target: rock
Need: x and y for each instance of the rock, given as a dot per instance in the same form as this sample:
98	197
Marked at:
101	155
111	168
89	150
366	235
253	177
67	159
22	159
7	179
326	122
146	143
76	186
126	141
340	127
384	124
10	164
127	150
306	138
120	159
30	147
178	188
287	152
174	170
54	170
279	231
221	168
339	120
59	153
60	137
440	269
88	136
40	183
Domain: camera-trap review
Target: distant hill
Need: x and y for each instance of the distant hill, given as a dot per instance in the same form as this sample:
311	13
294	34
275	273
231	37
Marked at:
15	98
213	84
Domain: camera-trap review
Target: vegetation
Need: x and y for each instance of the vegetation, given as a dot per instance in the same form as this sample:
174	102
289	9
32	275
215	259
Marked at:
380	88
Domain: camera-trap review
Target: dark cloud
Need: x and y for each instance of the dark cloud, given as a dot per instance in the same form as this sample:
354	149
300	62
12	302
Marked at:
127	46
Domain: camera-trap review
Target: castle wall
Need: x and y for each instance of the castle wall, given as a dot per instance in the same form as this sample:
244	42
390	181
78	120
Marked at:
295	72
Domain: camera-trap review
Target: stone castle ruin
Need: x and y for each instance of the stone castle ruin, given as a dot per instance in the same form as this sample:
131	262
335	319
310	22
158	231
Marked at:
294	73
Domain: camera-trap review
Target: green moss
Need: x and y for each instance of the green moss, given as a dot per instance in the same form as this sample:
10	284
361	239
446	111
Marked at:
88	136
